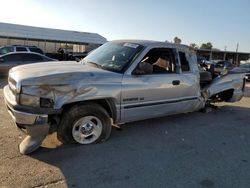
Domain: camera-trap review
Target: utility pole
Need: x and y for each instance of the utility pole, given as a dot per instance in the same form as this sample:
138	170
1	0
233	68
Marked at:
237	55
225	53
211	54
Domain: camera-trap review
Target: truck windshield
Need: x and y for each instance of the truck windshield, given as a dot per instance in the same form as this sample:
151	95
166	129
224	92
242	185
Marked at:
113	56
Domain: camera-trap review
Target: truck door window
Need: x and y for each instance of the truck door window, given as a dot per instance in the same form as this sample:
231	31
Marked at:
184	63
160	59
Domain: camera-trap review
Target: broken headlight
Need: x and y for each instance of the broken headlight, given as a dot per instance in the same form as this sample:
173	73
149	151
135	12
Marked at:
29	100
46	103
28	97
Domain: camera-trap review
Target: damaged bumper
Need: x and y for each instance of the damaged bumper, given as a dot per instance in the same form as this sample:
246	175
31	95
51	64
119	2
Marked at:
36	125
20	117
27	118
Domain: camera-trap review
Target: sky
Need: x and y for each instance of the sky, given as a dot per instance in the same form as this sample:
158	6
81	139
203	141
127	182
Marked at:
224	23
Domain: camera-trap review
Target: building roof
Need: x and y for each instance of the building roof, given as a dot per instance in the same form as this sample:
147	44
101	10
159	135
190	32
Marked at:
217	54
222	51
55	35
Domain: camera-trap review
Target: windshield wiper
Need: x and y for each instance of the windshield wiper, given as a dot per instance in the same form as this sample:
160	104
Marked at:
95	64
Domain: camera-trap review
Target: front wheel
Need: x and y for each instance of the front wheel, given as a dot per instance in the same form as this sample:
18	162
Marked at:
84	124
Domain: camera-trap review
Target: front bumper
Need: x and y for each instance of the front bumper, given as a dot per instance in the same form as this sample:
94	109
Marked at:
27	118
36	125
23	118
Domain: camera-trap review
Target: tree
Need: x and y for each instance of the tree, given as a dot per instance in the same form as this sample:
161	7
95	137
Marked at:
194	46
207	45
177	40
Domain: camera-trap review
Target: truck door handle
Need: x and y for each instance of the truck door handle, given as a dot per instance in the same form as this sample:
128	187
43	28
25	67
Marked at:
176	82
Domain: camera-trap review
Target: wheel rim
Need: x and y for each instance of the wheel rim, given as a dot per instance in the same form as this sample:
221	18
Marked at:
87	129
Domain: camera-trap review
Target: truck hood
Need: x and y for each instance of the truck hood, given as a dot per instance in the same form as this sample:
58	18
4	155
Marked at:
61	73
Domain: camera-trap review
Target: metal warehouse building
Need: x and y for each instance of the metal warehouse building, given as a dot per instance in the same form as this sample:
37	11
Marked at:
49	40
234	57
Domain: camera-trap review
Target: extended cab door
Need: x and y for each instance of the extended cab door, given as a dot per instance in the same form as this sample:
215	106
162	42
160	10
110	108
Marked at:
158	93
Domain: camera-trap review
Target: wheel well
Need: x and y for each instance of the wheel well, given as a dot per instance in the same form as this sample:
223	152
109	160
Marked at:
223	96
107	104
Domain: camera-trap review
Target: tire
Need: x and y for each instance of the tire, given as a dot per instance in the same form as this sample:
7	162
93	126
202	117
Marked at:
84	124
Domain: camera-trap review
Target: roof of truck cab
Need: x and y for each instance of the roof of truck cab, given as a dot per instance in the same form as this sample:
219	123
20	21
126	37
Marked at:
152	42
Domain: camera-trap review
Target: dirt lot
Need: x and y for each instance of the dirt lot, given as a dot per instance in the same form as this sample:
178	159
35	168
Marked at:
187	150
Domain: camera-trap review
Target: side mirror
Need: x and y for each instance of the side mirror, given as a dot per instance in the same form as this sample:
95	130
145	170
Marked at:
77	59
1	60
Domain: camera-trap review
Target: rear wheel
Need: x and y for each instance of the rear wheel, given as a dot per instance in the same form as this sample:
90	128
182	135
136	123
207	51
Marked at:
84	124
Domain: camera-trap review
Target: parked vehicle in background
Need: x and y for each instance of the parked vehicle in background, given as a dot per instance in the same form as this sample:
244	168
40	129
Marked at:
67	54
19	48
13	59
77	56
221	67
246	67
200	59
119	82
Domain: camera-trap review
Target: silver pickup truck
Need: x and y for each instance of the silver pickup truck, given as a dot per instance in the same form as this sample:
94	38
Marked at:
120	82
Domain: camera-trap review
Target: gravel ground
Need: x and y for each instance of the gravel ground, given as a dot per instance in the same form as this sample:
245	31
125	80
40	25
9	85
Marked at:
186	150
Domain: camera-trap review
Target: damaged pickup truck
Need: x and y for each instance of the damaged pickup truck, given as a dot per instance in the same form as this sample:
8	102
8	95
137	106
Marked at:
119	82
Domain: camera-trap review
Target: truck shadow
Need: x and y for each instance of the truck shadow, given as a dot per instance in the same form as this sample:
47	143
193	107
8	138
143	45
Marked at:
187	148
